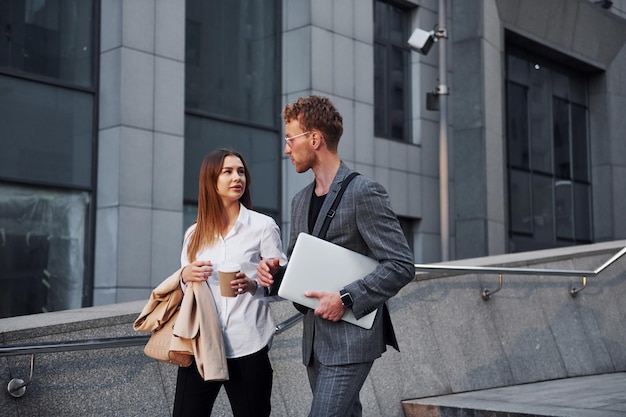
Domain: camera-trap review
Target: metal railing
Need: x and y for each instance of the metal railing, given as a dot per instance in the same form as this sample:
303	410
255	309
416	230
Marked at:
17	387
114	342
486	293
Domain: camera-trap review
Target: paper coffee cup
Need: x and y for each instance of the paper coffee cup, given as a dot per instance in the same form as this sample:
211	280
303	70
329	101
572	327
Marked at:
226	274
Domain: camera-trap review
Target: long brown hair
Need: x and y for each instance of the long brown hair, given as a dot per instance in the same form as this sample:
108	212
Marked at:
210	208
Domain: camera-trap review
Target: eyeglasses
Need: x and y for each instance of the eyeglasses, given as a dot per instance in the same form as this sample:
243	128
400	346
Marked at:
289	140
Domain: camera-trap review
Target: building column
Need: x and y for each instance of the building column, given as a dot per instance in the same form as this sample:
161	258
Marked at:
140	147
479	209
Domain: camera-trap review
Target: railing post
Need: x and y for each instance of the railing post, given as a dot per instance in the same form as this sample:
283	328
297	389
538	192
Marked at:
17	386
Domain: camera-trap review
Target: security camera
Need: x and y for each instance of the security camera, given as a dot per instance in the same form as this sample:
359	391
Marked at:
421	41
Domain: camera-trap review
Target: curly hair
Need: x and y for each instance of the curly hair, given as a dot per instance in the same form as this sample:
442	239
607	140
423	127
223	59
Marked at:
316	112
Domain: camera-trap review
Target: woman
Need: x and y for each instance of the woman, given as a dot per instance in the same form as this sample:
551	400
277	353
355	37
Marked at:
228	231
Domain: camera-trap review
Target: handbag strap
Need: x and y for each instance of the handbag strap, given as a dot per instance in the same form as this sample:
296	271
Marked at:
333	207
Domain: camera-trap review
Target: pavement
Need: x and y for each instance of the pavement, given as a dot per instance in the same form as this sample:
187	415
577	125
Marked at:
587	396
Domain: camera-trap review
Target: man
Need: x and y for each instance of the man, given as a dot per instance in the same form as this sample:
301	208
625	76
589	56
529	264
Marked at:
339	355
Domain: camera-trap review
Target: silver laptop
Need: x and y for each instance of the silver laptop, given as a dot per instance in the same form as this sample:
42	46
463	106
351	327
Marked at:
318	265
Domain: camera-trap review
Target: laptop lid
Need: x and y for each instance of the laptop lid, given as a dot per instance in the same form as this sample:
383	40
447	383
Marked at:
318	265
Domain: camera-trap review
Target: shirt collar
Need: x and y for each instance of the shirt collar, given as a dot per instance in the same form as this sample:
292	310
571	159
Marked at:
244	215
242	219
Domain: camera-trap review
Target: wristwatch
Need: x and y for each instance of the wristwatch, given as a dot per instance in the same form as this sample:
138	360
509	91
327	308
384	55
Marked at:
346	298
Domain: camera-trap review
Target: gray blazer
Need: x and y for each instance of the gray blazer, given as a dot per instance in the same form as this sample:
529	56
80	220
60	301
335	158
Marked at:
364	222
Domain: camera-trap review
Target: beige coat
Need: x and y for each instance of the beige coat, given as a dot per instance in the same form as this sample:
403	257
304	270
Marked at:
197	323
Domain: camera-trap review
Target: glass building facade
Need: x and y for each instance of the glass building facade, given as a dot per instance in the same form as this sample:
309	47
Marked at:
232	85
48	62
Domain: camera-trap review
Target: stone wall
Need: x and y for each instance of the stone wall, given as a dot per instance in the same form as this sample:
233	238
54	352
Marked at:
451	341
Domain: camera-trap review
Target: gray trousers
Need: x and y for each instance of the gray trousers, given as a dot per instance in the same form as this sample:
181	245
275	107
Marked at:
336	388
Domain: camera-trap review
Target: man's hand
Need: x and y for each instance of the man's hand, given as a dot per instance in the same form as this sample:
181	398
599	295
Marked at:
330	308
266	270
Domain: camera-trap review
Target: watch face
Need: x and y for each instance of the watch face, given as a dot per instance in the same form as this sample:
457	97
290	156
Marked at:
346	299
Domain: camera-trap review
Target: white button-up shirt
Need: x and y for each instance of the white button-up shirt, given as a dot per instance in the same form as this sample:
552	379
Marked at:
245	320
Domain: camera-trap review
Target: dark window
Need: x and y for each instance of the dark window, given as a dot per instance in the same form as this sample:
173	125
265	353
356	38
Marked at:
232	93
47	148
46	133
548	154
517	122
520	202
391	71
49	38
232	60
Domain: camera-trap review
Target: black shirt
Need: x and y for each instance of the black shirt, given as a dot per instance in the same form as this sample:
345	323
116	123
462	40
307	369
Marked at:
314	209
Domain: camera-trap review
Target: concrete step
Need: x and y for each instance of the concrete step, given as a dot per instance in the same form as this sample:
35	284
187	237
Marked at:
587	396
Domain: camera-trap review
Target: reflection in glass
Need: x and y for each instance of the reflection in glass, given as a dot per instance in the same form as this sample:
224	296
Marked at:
564	210
42	234
543	212
50	38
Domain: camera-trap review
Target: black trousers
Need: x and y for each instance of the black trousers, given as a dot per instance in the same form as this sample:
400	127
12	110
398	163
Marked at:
249	388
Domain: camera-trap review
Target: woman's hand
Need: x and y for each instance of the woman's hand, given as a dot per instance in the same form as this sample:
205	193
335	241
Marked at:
198	271
242	284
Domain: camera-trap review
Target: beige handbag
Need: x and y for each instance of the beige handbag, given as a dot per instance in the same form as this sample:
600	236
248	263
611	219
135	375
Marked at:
158	317
160	345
